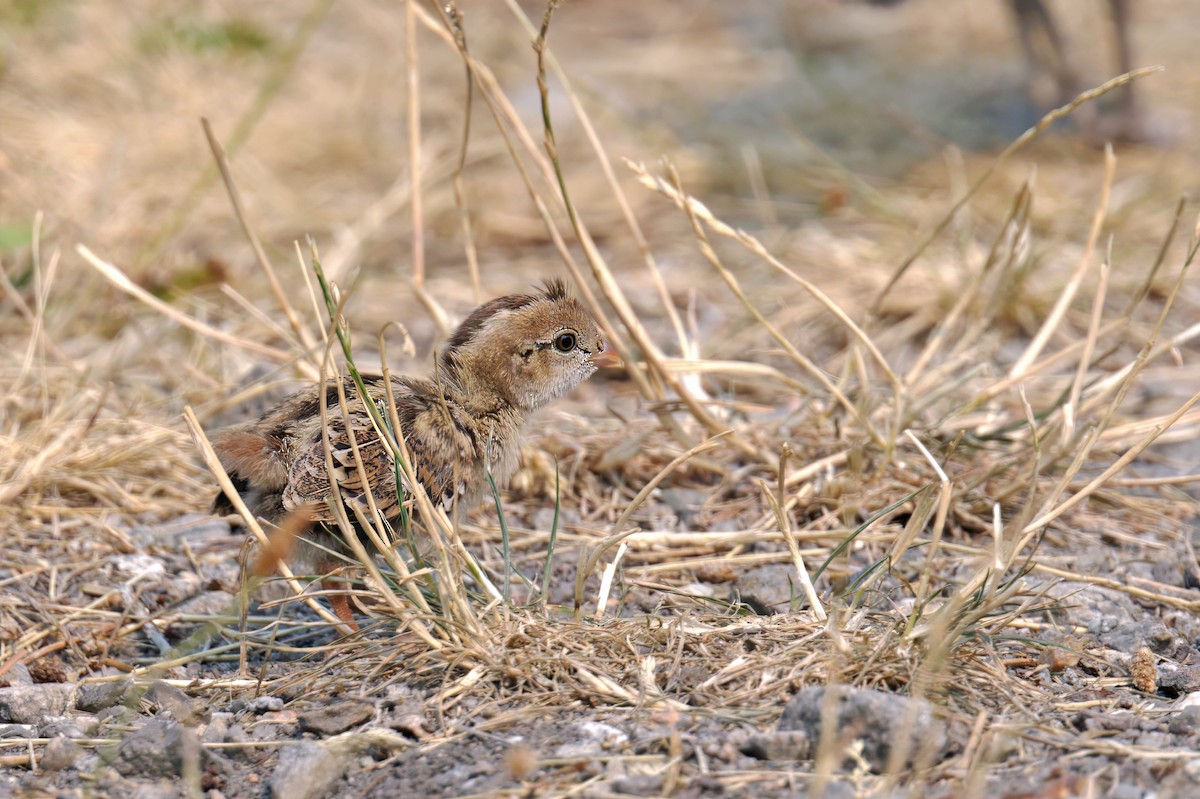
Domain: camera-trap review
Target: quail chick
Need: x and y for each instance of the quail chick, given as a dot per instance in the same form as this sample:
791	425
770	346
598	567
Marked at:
510	357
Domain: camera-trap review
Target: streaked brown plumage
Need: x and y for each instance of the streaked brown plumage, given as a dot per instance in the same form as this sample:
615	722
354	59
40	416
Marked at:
510	357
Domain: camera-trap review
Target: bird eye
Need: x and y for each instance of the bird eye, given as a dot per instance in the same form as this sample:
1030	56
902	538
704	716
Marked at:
565	342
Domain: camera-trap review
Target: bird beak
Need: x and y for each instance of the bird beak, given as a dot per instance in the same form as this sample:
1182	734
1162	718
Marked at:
607	357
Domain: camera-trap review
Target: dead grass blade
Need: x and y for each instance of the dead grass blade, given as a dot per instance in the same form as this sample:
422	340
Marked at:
1018	143
1068	293
303	338
120	281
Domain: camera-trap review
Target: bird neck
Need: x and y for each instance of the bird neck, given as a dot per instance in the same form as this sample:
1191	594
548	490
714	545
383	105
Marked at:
478	398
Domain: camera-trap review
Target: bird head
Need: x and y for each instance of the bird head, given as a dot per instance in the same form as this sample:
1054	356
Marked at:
527	349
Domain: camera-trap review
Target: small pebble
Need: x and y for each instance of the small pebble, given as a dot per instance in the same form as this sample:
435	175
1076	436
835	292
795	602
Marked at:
264	704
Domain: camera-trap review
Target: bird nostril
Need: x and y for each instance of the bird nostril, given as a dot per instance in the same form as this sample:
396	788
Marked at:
605	356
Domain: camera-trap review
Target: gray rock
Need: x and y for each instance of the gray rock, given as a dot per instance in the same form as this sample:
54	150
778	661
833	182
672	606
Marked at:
1131	636
87	724
879	720
195	528
207	603
768	589
161	789
686	502
217	728
307	770
118	716
1179	681
29	704
61	726
333	719
60	753
173	702
1099	610
638	785
264	704
18	674
1186	722
594	738
158	749
543	518
17	731
96	696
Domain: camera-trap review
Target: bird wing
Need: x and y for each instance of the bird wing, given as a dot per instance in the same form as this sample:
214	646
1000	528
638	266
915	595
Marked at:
442	448
361	465
439	438
441	441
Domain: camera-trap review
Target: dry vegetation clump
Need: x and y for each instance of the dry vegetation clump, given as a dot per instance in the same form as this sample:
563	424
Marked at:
948	457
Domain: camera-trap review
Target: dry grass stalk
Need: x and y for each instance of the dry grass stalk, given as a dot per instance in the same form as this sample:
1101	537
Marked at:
1017	144
1065	297
303	337
778	505
121	281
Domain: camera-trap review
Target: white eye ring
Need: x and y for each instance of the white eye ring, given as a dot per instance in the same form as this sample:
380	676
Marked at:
566	341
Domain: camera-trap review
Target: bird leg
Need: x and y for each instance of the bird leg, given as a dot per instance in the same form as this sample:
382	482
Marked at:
339	600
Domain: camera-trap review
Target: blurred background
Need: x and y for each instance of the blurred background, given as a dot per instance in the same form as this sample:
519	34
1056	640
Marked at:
841	132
